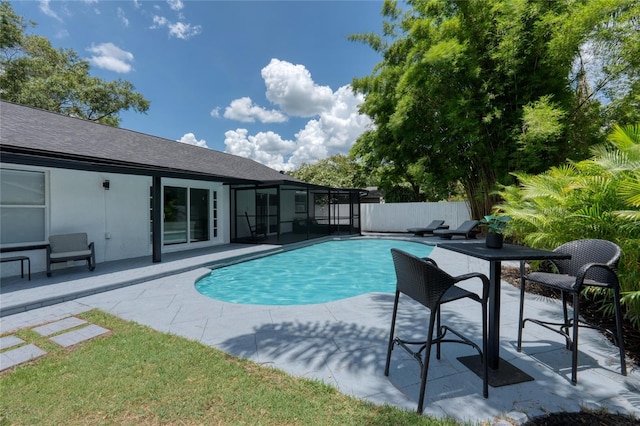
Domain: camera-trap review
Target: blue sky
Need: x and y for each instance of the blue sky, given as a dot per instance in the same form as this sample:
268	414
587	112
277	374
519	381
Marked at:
267	80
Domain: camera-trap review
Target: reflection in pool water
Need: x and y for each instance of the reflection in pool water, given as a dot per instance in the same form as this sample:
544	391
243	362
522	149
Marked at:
319	273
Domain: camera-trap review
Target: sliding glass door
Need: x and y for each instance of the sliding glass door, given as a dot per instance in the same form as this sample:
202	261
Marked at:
175	215
187	215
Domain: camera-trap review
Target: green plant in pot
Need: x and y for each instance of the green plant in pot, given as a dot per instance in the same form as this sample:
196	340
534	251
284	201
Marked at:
495	229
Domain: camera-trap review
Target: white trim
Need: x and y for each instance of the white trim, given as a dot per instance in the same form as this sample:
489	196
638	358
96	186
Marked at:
188	185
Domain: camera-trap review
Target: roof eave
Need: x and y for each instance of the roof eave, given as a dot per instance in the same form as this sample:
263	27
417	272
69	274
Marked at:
22	156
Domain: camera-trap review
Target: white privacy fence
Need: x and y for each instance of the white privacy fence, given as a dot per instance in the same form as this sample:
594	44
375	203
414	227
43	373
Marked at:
397	217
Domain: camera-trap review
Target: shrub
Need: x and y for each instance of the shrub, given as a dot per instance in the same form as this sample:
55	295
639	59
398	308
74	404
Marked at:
595	198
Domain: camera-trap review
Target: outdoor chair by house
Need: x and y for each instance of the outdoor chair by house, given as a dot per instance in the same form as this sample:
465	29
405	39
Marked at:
593	263
65	247
423	281
466	230
428	230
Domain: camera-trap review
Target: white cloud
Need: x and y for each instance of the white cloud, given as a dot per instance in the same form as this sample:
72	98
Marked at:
175	4
93	2
123	17
215	113
62	34
179	30
291	88
334	132
190	138
111	57
334	128
44	8
267	148
159	22
184	31
244	110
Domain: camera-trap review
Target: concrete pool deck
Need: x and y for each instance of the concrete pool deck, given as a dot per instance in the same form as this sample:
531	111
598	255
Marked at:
342	343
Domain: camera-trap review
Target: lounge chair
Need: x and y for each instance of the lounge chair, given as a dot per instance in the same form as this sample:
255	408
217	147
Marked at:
465	230
428	230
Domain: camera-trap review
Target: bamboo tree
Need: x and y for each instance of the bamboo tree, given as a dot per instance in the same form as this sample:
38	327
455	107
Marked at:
473	90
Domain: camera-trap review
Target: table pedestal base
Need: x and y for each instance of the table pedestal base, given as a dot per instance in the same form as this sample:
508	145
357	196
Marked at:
506	374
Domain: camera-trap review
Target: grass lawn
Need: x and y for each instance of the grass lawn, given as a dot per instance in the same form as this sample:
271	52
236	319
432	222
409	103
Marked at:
136	375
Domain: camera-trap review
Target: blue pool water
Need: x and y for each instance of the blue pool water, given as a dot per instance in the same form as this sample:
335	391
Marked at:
320	273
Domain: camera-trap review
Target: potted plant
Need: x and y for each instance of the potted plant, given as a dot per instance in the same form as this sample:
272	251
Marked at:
495	229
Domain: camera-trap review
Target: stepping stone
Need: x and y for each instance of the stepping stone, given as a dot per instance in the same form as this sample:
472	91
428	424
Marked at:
80	335
8	341
19	355
56	326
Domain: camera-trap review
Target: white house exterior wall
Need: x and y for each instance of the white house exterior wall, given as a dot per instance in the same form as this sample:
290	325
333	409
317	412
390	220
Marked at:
224	214
116	220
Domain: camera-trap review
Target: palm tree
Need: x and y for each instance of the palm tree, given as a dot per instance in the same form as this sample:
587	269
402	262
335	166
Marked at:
626	159
595	198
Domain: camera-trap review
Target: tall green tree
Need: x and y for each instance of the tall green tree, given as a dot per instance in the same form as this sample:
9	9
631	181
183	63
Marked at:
34	73
338	171
471	90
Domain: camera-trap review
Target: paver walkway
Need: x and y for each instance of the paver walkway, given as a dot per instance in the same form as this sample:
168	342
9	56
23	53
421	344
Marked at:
19	353
15	351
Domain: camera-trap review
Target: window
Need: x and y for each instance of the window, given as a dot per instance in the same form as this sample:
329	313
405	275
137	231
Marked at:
23	206
301	202
175	215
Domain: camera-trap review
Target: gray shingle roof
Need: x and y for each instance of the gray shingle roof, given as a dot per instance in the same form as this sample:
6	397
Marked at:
35	131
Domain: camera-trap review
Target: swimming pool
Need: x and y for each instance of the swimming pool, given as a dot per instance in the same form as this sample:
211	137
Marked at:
323	272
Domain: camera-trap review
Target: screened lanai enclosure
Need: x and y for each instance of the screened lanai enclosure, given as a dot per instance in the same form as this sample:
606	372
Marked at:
284	213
